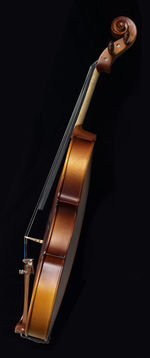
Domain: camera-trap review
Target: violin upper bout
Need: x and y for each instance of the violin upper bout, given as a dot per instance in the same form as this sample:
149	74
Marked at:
83	134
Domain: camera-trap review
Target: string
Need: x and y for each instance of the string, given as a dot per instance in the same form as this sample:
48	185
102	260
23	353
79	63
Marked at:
59	155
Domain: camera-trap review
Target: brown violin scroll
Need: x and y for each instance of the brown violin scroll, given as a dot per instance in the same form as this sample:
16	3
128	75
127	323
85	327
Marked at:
125	31
119	26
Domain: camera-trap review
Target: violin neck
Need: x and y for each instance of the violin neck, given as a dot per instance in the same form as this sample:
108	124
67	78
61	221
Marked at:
87	98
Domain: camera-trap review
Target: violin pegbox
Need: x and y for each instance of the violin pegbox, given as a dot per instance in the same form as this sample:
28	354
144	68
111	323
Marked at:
125	31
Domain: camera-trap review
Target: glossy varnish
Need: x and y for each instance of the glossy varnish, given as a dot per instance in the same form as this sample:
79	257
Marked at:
65	222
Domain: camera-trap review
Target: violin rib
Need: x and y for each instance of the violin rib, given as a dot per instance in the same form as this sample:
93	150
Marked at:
62	242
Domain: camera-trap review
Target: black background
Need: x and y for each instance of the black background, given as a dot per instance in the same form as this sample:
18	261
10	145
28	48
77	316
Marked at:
46	52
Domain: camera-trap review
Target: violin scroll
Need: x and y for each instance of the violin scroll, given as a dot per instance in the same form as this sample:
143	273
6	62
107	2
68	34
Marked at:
120	26
125	31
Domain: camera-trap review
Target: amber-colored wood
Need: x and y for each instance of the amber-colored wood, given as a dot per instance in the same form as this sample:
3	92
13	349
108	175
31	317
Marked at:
66	219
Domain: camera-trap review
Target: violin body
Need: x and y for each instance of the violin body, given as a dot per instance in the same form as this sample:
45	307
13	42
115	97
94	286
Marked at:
61	237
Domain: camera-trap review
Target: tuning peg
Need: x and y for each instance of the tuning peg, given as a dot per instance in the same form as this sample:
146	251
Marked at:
111	48
126	37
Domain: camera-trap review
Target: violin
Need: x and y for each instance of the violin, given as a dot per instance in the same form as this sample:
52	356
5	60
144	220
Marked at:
62	231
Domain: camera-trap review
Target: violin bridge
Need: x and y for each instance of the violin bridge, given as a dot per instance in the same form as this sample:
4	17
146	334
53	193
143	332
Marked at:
34	239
